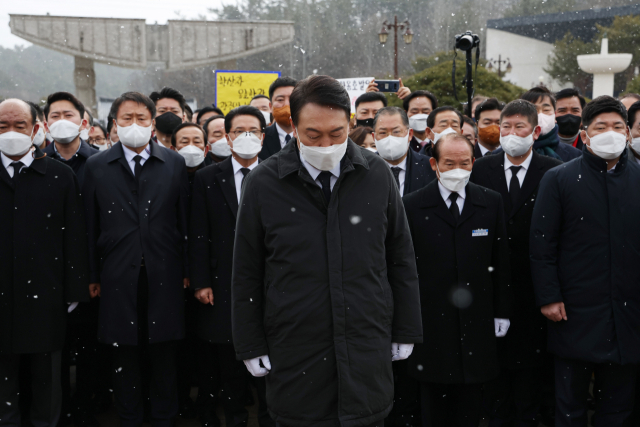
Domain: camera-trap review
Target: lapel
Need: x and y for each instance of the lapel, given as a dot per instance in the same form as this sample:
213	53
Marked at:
272	139
408	177
477	153
432	199
5	177
38	165
474	198
499	180
228	185
116	153
531	180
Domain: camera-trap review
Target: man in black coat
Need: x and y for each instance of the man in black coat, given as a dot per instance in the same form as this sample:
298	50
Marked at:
418	105
136	199
460	241
43	265
584	257
441	121
280	132
214	209
516	175
324	287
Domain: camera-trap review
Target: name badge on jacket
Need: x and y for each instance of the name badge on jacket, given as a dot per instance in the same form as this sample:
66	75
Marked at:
480	232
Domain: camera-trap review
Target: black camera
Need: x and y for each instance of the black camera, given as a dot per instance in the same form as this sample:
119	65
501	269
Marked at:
467	41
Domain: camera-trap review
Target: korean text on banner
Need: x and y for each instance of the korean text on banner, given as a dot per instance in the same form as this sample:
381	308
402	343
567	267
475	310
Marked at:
236	88
355	87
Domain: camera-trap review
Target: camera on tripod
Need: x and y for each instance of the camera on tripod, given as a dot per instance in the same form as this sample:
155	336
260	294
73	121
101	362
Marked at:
467	41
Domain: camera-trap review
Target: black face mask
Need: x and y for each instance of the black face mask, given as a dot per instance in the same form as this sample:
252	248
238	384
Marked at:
569	124
167	122
364	122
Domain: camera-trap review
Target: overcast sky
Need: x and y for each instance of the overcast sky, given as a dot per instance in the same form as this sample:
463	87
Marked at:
151	10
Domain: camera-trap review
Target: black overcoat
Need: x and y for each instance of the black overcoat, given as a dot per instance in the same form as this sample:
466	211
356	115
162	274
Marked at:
585	252
43	256
129	219
464	284
271	144
324	290
526	342
214	209
418	173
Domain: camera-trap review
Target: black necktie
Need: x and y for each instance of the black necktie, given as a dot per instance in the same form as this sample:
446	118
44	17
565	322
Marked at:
16	171
325	181
138	166
287	139
454	209
514	185
245	171
396	174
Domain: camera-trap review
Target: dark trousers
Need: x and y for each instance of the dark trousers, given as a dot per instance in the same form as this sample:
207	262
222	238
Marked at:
264	419
406	391
46	392
634	419
450	404
615	385
516	396
130	366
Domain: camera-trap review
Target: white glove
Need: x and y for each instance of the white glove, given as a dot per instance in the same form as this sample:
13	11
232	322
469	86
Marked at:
502	326
400	351
254	368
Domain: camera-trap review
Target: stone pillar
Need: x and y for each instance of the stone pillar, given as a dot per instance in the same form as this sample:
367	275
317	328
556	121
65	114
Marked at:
84	78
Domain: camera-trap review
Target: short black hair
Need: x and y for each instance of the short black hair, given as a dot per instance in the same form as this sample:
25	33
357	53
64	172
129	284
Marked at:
471	123
359	134
171	93
39	112
450	136
187	125
570	93
523	108
137	97
390	111
630	95
243	110
534	94
99	126
63	96
371	97
188	112
259	96
489	104
281	82
320	90
109	123
205	126
631	113
209	109
86	110
431	120
418	94
600	105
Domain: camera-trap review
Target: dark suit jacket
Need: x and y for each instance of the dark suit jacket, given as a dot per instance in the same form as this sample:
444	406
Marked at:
271	144
477	153
419	172
415	145
427	150
214	207
77	164
128	219
43	256
464	284
526	340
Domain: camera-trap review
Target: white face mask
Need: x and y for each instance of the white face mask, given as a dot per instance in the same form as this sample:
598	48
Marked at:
15	143
135	135
49	137
193	156
373	150
393	147
39	138
247	146
608	145
546	122
635	144
267	116
84	134
441	134
220	148
64	131
418	122
323	158
103	147
515	145
455	179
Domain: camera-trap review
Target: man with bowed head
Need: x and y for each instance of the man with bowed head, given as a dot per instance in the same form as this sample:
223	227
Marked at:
585	252
324	331
43	265
136	199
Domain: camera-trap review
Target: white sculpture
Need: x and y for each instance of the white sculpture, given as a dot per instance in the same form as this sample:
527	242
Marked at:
603	66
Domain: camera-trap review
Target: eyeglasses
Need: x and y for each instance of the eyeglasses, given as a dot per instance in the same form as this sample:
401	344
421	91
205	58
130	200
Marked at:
98	141
237	133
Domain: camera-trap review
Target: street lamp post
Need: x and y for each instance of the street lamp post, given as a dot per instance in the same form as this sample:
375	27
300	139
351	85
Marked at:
407	36
499	63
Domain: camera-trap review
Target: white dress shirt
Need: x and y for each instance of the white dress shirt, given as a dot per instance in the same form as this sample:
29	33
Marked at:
129	154
446	193
238	176
335	173
26	160
521	173
403	172
483	150
282	135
